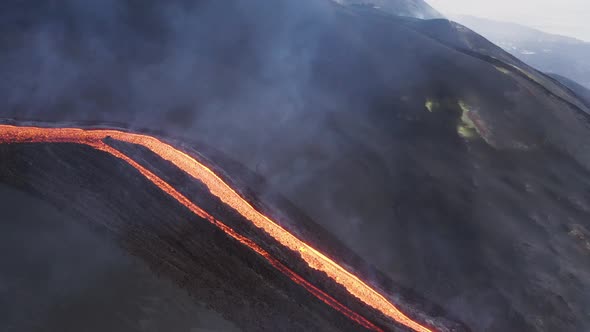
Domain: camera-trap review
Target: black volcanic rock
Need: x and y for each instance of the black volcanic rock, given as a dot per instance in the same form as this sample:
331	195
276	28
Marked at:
185	254
451	166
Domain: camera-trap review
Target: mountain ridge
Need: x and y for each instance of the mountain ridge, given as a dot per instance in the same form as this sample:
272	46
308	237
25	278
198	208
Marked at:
410	8
454	168
549	53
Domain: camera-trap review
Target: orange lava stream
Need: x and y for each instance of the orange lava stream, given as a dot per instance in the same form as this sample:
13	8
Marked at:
217	187
231	232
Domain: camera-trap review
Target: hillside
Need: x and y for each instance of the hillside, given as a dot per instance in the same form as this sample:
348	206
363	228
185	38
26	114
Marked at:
451	168
549	53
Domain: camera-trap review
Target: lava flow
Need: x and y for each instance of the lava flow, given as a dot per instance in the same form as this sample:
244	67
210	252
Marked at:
315	259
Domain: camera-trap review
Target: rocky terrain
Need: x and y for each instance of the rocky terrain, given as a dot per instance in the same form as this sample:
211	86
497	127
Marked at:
82	280
454	169
123	209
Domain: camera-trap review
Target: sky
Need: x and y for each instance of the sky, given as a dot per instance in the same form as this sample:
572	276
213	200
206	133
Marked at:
565	17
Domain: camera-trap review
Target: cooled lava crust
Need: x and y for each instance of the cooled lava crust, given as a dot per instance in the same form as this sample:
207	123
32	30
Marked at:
198	256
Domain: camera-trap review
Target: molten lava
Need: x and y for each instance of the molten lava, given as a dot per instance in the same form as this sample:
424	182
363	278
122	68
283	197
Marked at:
315	259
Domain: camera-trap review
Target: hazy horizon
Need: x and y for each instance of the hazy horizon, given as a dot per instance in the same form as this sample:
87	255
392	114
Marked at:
566	17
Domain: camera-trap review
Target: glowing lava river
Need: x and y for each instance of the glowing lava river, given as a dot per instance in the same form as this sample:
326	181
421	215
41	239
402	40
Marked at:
95	138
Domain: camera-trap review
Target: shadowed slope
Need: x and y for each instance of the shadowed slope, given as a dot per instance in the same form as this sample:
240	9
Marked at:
452	167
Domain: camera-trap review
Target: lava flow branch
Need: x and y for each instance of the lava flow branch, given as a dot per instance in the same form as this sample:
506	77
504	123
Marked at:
314	259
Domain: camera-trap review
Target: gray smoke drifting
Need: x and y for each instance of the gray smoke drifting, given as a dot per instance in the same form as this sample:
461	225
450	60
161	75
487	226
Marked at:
327	103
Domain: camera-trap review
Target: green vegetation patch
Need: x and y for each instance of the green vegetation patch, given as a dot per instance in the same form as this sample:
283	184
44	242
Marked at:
466	127
432	105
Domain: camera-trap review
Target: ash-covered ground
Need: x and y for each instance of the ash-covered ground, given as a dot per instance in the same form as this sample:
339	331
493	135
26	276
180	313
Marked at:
199	260
459	172
58	274
183	252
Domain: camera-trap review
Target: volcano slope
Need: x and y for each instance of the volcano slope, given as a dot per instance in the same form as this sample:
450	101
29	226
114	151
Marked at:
270	242
455	169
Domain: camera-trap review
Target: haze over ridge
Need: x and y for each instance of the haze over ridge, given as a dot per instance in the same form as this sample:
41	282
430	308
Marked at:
568	17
